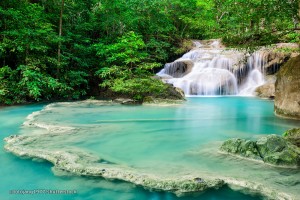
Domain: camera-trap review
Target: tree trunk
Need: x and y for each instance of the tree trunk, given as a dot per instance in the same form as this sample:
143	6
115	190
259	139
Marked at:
299	9
59	35
26	54
5	54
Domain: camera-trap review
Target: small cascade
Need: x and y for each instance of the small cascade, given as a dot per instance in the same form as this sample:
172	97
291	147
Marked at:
210	69
256	65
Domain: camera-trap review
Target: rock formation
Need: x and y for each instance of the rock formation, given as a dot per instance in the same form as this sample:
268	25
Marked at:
272	149
266	91
293	136
287	93
82	163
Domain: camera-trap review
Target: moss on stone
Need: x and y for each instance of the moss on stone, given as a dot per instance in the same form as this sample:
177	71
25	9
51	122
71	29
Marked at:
293	136
271	149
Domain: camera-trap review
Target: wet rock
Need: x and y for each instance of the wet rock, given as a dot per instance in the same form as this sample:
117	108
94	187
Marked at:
199	180
272	149
270	144
277	151
287	92
274	61
159	101
266	91
293	136
149	99
178	68
172	95
245	148
277	55
125	101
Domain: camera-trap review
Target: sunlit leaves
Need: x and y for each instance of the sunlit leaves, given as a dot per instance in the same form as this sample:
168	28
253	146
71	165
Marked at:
127	67
254	22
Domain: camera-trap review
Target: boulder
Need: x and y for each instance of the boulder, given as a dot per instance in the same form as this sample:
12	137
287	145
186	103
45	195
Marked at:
274	61
276	150
293	136
270	144
178	68
272	149
172	93
245	148
287	90
277	55
266	91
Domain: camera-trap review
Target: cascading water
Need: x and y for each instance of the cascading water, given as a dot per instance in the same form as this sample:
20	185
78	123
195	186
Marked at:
210	69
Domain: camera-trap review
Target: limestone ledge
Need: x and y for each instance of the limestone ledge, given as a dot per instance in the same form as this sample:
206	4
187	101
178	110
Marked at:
81	163
258	188
84	164
160	101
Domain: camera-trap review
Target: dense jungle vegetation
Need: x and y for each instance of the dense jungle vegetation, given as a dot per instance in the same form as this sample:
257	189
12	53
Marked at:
67	49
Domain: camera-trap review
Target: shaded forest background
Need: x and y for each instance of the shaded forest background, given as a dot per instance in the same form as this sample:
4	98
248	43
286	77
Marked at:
67	49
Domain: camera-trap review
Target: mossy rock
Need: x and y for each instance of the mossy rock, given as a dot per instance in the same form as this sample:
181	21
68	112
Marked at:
272	149
287	157
270	144
293	136
276	150
245	148
148	99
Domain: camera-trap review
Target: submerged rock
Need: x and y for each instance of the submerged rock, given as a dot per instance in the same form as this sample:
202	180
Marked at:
287	100
272	149
160	101
125	101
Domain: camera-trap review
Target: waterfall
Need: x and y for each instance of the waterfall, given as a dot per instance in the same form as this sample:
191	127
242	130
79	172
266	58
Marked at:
210	69
255	63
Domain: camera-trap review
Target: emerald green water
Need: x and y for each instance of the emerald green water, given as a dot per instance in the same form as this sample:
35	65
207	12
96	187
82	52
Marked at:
168	140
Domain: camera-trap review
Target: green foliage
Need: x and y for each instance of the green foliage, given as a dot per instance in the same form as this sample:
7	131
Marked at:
254	22
120	44
126	51
186	45
293	37
127	67
8	94
35	84
138	88
76	82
